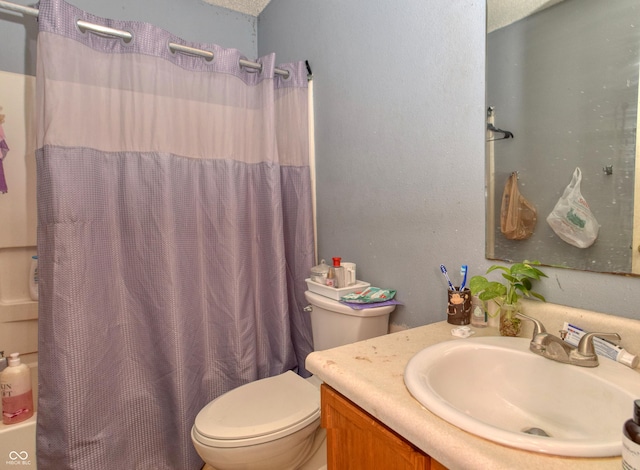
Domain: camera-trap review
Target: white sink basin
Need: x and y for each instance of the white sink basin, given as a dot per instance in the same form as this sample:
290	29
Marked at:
495	388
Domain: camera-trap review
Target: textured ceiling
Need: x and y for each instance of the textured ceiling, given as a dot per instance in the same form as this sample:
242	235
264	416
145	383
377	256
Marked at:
503	12
249	7
500	12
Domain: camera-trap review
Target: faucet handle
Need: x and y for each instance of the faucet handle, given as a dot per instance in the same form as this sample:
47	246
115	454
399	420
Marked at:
585	346
538	327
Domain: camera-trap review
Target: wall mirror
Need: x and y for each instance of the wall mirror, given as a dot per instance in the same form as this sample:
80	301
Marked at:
562	93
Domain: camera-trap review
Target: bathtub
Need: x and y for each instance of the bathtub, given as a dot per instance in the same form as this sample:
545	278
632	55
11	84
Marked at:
18	444
18	441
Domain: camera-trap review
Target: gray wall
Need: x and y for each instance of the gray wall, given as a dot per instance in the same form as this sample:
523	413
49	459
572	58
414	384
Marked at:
400	112
400	106
192	20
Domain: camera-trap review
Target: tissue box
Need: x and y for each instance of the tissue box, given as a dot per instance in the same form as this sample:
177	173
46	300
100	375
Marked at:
335	293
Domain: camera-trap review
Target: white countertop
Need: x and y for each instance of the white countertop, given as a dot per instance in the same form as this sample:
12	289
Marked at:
370	373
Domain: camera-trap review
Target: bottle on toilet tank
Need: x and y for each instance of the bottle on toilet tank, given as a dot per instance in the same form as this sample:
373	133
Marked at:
340	274
331	277
17	395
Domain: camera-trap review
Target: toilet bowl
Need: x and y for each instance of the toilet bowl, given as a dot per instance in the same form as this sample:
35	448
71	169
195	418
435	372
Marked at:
267	424
274	423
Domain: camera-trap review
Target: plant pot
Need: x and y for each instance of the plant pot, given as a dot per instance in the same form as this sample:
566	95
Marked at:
509	323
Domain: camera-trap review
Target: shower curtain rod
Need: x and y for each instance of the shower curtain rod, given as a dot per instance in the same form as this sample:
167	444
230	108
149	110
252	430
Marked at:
127	36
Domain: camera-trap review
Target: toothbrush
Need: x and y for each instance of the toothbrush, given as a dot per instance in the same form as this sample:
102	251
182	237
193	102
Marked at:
463	273
446	275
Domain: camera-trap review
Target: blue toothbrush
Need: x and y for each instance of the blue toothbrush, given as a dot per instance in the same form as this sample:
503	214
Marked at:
463	272
446	275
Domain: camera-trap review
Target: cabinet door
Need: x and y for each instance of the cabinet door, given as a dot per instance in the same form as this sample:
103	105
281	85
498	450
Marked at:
357	441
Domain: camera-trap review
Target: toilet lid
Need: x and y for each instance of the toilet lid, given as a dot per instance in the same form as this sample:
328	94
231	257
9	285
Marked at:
260	408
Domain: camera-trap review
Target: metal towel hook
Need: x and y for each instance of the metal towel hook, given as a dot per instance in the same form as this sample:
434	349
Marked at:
506	134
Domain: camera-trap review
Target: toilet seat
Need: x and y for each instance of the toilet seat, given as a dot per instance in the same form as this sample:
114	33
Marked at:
258	412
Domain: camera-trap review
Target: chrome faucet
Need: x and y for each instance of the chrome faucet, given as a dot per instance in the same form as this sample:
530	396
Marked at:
547	345
3	361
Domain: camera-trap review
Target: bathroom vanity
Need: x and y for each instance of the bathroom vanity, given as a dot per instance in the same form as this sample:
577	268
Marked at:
355	439
370	414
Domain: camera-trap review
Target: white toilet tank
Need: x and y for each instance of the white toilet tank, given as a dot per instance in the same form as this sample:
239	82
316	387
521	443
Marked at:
335	324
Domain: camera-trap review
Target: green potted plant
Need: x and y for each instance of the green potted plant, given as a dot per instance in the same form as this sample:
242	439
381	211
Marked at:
507	294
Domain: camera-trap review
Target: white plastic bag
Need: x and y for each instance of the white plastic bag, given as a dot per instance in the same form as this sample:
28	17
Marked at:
571	219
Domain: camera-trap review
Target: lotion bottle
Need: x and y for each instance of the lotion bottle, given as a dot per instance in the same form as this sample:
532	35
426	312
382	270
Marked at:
631	440
17	396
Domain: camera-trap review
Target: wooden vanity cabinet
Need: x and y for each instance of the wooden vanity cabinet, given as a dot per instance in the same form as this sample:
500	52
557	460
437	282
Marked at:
358	441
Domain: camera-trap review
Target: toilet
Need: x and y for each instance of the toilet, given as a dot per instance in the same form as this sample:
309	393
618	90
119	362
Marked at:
274	423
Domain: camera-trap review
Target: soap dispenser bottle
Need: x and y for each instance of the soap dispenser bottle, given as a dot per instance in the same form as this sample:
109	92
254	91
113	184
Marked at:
17	396
631	440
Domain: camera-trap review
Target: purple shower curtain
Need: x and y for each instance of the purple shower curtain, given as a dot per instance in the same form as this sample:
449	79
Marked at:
174	235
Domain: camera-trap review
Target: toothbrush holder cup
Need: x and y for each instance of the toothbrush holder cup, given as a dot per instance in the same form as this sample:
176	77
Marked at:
459	306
